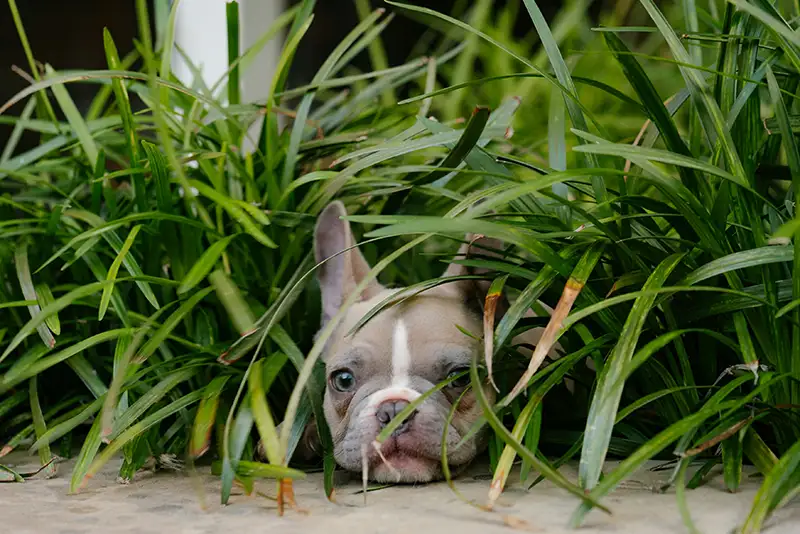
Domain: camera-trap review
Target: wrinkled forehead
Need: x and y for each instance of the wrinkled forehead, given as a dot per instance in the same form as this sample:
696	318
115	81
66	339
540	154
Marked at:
430	334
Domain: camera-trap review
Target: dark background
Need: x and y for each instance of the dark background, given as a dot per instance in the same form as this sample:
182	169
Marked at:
69	35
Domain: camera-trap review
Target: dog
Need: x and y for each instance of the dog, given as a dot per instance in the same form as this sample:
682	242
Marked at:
399	354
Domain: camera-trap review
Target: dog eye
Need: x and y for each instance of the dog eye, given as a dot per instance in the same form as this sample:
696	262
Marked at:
343	380
463	380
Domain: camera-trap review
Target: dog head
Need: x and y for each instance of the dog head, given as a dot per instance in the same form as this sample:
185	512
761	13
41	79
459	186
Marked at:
399	354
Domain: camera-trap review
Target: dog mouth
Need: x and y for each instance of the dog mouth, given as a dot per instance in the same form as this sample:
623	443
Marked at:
399	459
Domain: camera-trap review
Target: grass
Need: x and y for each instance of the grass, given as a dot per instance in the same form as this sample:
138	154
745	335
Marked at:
158	297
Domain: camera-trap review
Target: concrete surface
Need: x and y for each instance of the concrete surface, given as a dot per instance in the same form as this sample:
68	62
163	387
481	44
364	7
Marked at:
183	504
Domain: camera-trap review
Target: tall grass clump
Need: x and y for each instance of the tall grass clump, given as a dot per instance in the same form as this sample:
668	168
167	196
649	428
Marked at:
157	291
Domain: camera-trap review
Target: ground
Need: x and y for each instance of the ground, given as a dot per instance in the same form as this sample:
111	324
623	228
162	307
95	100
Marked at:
181	504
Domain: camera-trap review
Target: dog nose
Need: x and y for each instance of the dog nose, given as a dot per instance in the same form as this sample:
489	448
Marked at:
389	409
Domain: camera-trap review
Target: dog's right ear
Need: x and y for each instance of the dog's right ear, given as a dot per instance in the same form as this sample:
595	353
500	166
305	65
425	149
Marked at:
339	276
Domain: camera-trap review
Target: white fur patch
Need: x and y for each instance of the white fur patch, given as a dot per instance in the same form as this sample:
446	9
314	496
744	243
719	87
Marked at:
401	355
401	364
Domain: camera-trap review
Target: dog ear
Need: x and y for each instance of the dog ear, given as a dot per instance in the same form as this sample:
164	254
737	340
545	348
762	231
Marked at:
475	290
339	276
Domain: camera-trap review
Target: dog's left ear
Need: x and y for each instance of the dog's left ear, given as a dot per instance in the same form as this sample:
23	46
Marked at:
474	291
344	271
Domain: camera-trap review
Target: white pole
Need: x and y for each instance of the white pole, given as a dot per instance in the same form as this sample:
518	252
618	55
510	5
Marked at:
201	32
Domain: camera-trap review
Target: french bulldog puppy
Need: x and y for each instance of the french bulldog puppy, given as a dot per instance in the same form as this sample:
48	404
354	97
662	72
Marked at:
395	357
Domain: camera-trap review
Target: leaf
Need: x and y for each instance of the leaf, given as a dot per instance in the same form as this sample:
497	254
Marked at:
128	122
327	69
114	269
548	472
146	401
231	457
572	289
262	415
65	427
605	403
777	483
74	117
45	297
45	457
235	211
652	102
206	416
135	430
204	264
261	470
34	368
469	138
493	295
29	292
740	260
234	303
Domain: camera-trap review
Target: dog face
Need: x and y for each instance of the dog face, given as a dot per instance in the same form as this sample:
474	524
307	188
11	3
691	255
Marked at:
399	354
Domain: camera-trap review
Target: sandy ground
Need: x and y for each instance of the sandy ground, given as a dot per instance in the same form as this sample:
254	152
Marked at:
177	503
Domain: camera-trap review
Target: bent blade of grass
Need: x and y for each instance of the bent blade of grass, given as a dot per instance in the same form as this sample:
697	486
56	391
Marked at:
493	297
29	292
232	456
652	101
644	453
206	416
105	299
130	263
470	137
572	289
91	444
773	24
75	119
19	373
45	297
739	260
605	403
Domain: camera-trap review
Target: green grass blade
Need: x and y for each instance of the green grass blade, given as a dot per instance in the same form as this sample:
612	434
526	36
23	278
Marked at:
45	457
160	335
29	292
105	299
605	402
204	264
205	417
